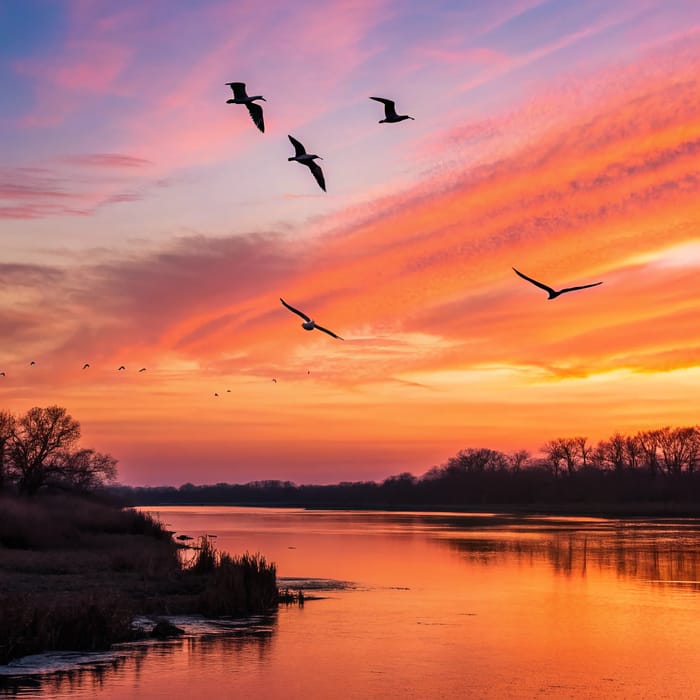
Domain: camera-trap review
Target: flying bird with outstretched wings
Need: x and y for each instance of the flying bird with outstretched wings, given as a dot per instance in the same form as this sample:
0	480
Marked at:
240	97
307	159
390	115
308	324
554	293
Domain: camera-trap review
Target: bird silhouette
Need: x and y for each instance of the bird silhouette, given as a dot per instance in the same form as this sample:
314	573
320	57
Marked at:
86	366
390	116
143	369
308	324
228	391
307	159
2	374
274	380
121	368
240	97
32	363
215	394
554	293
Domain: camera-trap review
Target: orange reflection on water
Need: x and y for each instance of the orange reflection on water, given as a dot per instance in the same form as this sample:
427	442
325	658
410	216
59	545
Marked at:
444	605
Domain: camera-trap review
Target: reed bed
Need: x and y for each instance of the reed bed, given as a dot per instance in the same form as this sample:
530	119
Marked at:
74	573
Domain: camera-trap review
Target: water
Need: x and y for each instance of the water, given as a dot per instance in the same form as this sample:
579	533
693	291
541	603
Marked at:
425	606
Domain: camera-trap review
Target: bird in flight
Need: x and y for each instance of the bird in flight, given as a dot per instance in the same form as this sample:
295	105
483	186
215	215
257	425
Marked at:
390	116
308	324
143	369
2	374
228	391
215	394
121	367
274	380
554	293
32	363
307	159
86	366
240	97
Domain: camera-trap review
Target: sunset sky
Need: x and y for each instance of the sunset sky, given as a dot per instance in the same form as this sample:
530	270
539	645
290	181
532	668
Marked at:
145	222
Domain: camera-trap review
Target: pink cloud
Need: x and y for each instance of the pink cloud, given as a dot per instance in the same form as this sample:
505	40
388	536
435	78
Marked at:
106	160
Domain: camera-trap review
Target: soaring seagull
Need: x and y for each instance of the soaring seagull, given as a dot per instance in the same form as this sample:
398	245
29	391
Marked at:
390	116
554	293
308	324
121	367
240	97
86	365
301	156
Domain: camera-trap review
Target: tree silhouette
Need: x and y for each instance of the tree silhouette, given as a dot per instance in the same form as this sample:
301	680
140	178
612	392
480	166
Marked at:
41	449
7	424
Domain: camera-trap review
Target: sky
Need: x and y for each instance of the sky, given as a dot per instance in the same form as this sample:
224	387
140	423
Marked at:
147	223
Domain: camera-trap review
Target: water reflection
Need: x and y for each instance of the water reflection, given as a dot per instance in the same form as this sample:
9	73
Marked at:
85	675
657	555
486	606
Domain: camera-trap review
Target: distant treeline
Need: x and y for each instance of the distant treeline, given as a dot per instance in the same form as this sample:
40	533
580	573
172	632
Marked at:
655	466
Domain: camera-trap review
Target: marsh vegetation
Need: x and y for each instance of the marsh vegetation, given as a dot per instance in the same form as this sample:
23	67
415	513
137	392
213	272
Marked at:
75	571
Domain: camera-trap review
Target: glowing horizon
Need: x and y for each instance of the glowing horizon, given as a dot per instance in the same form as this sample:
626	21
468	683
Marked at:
147	223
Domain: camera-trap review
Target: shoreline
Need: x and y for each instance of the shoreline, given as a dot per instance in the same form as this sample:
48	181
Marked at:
635	509
75	572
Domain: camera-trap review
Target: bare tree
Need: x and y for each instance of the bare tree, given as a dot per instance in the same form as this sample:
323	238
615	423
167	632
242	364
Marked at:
42	449
585	450
564	450
518	459
477	460
649	444
679	447
84	470
633	451
553	455
610	453
7	424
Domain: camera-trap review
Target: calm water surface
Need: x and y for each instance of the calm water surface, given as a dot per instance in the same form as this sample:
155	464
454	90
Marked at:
430	606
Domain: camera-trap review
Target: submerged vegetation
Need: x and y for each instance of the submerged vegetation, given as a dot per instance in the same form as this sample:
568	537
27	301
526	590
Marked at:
75	571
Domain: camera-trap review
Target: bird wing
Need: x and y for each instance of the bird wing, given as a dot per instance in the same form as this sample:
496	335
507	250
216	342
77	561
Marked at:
295	311
238	90
325	330
389	106
256	114
583	286
316	171
300	150
535	282
122	367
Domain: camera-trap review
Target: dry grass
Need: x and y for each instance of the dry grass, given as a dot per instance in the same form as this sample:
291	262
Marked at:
74	573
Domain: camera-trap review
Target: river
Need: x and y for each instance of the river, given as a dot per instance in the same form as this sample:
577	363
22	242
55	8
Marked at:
423	605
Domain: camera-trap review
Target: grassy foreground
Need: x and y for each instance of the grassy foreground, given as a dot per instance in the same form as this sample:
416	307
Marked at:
74	573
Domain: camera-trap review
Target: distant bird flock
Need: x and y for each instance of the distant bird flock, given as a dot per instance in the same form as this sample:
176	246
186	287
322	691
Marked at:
241	97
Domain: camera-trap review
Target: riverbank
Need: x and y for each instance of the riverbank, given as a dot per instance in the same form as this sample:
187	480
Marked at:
635	509
74	572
